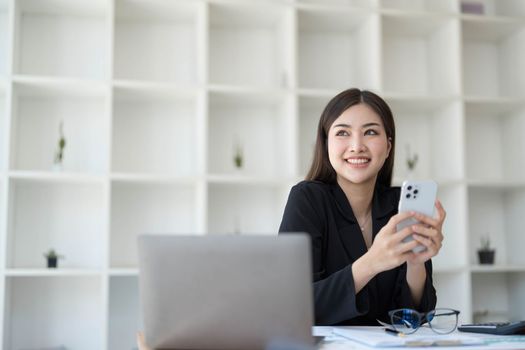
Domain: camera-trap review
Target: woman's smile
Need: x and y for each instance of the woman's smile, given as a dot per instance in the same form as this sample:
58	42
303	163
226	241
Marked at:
358	162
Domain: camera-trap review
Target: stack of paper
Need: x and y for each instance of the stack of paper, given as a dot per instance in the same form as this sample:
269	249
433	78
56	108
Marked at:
377	337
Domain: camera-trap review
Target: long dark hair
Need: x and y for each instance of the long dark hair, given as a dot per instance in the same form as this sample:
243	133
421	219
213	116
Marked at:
321	169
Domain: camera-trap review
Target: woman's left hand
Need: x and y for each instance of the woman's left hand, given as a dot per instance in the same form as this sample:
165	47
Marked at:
429	234
141	343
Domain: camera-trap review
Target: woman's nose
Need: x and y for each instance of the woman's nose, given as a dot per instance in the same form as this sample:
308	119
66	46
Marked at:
356	144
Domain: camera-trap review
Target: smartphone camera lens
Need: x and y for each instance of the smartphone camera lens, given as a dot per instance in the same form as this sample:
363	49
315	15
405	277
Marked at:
415	191
408	195
409	188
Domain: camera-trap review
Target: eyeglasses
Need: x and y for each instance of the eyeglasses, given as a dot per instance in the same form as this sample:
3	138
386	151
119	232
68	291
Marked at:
407	321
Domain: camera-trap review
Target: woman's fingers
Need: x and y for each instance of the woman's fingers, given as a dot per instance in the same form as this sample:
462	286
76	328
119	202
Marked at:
436	222
431	246
398	218
429	232
404	233
427	220
405	247
442	214
140	341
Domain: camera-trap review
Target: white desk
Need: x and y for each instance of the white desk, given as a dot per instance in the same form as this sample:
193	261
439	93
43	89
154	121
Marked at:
334	342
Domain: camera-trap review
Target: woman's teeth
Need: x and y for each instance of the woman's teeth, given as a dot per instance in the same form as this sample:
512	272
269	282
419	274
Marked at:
358	161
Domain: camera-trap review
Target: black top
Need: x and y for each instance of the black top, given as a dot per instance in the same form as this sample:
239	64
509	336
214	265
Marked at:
323	211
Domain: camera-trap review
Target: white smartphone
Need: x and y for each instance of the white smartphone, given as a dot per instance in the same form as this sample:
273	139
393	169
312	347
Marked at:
418	196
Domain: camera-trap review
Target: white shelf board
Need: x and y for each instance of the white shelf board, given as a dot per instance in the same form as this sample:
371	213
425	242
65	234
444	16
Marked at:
324	93
119	272
137	88
247	90
240	179
469	17
65	7
412	25
244	14
57	177
155	10
496	268
29	85
398	181
411	12
449	270
496	184
419	103
476	105
153	179
317	18
56	272
334	5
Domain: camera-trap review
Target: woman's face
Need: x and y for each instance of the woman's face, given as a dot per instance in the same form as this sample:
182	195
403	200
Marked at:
358	145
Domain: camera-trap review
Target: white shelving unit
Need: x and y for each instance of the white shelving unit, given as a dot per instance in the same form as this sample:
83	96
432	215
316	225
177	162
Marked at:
157	96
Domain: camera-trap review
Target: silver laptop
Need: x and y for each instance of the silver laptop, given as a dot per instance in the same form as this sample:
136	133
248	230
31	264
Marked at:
225	292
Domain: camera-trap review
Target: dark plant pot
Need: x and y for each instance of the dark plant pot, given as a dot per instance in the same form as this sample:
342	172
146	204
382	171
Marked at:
486	257
52	262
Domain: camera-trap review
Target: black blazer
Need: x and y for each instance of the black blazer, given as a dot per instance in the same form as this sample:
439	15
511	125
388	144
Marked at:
323	211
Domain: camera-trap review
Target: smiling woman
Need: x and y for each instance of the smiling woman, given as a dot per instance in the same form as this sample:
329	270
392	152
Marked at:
361	266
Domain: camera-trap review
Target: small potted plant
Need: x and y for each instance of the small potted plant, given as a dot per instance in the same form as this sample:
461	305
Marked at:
238	157
485	252
52	258
411	160
59	153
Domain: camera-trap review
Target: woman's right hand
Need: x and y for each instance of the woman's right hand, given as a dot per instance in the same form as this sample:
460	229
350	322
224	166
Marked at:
140	342
388	251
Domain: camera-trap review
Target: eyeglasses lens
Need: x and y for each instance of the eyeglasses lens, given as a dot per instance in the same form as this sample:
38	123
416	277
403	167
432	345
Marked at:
443	320
405	321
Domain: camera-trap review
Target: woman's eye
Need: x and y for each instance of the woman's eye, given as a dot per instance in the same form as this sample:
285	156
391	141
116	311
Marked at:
341	133
371	132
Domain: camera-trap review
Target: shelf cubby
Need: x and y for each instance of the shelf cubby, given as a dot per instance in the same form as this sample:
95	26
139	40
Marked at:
497	213
494	141
154	132
125	316
451	256
257	123
148	38
310	109
4	37
245	208
138	208
249	45
443	6
44	312
62	38
453	292
420	55
493	56
500	8
339	3
38	109
498	296
420	126
337	49
66	217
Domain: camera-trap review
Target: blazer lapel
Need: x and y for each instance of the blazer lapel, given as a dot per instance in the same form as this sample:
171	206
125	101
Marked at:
347	226
384	205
